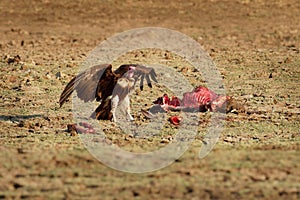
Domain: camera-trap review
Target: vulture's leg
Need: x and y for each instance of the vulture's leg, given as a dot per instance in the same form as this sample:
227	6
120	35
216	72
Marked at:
127	107
114	104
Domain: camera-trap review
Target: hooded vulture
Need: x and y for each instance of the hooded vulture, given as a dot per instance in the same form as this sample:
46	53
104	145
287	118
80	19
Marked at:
110	88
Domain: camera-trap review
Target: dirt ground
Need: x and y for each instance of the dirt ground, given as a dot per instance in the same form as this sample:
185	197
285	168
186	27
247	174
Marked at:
255	44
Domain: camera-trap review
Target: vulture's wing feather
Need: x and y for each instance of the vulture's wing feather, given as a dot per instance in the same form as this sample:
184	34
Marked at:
148	81
153	76
142	81
86	83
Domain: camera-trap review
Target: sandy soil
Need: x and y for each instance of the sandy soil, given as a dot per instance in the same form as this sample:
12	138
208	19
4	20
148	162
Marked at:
255	46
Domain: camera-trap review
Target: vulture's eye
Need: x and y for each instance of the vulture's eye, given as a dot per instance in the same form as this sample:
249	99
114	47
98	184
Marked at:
131	68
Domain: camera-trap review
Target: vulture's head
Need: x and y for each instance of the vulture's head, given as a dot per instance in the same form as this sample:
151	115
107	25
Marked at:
123	69
126	71
130	72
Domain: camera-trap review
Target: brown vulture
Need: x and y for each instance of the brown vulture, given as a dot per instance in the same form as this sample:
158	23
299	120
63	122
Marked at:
111	88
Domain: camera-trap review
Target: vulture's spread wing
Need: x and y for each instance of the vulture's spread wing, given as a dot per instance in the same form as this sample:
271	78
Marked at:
87	82
145	73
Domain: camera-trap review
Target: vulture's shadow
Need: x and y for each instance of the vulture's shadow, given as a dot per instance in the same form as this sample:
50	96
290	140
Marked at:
18	118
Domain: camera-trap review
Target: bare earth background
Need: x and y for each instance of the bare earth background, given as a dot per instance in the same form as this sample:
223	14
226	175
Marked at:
255	45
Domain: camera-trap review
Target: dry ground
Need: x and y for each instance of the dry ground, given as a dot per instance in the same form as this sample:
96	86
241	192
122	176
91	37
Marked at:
255	46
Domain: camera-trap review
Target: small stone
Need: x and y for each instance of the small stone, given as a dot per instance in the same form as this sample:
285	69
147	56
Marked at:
12	43
58	75
31	131
271	75
73	133
164	141
14	59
